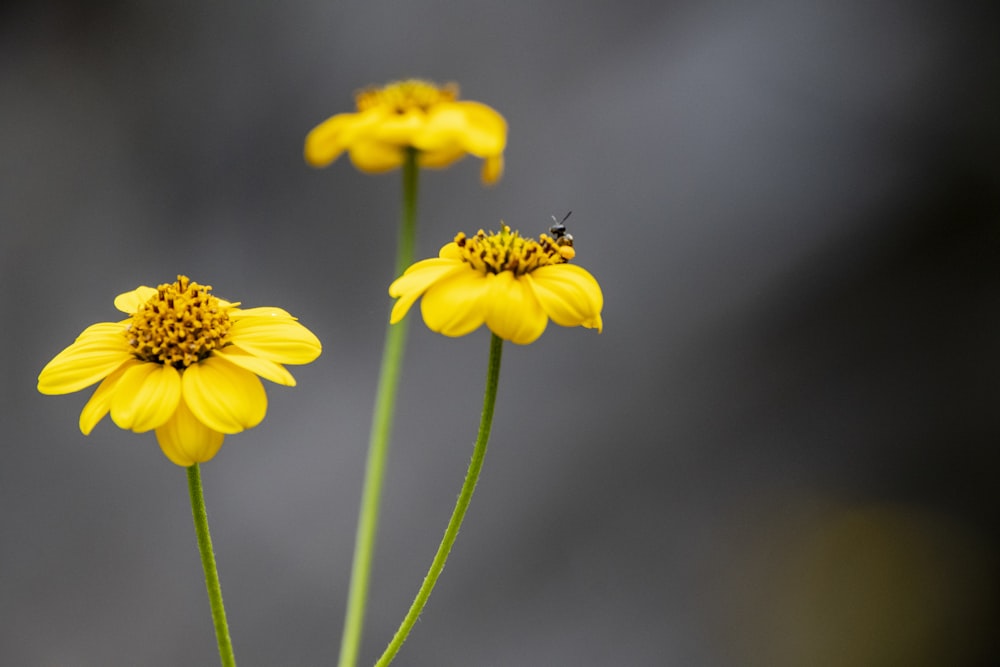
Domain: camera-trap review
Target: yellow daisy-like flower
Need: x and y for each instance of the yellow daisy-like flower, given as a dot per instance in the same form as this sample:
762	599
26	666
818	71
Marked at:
411	114
185	364
512	284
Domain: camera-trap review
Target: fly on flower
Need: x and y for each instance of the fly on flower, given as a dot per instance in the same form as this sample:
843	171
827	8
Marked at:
558	230
513	284
411	114
184	363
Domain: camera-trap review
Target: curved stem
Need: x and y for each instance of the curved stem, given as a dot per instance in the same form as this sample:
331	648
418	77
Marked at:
208	564
381	431
461	505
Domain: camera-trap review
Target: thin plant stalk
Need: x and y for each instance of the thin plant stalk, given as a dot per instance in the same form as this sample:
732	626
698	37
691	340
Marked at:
381	431
208	564
461	505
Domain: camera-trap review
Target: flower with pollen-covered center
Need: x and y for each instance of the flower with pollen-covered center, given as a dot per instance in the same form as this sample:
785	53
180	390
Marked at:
514	285
179	325
184	364
411	114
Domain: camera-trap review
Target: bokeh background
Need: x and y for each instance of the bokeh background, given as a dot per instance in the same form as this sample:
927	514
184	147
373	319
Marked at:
782	451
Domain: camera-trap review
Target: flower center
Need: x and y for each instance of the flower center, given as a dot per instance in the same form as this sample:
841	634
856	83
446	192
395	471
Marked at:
180	325
509	251
402	96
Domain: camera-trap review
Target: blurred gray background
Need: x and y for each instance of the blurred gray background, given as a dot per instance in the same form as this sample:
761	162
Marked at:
781	452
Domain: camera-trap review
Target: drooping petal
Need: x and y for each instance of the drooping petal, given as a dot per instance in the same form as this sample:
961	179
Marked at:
145	397
513	312
93	356
266	369
454	305
329	139
224	397
129	302
492	169
277	339
568	294
100	401
409	286
185	440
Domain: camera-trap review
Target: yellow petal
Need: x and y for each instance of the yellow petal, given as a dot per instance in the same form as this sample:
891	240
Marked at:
129	302
145	397
513	312
486	130
450	251
471	126
222	396
105	329
492	169
93	356
569	295
453	305
445	124
416	280
329	139
266	369
277	339
100	402
185	440
440	158
399	285
375	157
263	311
398	129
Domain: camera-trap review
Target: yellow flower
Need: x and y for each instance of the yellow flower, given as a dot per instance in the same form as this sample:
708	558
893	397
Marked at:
512	284
411	114
184	363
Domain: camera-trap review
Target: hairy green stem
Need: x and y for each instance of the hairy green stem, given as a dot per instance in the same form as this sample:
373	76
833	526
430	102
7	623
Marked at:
208	564
461	505
381	431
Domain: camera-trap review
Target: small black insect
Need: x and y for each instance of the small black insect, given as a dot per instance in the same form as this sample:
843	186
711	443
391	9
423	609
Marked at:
559	233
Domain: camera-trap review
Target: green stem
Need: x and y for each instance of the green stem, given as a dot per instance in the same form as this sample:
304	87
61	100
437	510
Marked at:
381	430
208	564
461	505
